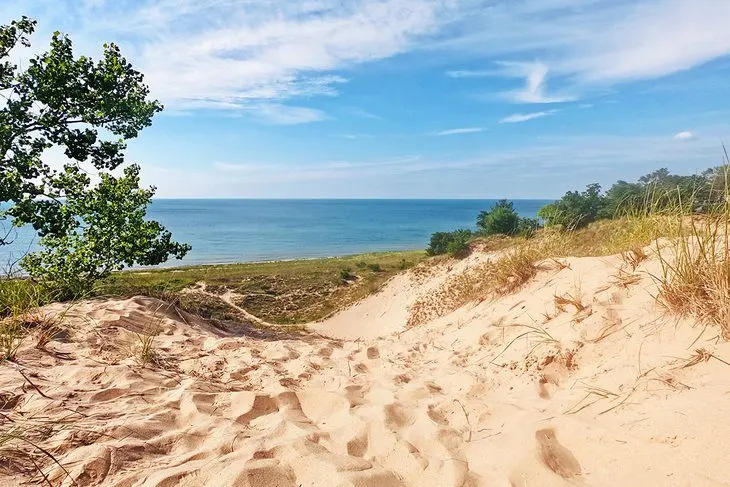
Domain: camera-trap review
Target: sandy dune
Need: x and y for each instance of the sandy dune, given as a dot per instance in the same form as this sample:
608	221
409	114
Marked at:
512	392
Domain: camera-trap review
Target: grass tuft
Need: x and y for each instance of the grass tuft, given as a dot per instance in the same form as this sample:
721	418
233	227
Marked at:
695	275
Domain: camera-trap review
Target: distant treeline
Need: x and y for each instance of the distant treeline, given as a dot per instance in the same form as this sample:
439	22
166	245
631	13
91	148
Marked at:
659	191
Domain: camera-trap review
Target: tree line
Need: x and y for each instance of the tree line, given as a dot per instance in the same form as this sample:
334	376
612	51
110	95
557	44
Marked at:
657	192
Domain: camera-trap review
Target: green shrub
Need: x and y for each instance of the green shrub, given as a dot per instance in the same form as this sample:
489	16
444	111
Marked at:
500	219
459	244
346	275
575	210
527	227
455	243
374	267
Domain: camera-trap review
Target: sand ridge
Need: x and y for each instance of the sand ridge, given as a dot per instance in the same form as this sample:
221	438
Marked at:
517	391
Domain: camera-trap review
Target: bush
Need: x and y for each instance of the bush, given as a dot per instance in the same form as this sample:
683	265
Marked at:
500	219
455	243
346	275
575	210
459	245
527	227
374	267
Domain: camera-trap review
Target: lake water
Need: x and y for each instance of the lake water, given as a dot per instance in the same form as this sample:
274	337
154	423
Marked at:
223	231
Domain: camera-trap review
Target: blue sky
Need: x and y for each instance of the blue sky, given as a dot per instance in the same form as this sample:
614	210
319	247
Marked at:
413	98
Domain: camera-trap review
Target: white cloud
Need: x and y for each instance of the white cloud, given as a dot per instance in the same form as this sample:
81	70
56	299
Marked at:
465	130
287	115
524	117
686	135
357	136
236	51
593	43
227	53
365	114
224	54
535	75
470	74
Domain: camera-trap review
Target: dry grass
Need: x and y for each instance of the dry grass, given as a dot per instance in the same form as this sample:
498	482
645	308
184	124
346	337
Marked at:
634	257
500	276
21	449
695	278
141	345
145	353
574	299
515	265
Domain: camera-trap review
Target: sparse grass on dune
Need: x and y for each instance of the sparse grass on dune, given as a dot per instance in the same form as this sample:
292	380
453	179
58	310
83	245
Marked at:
20	301
695	263
520	259
286	292
695	278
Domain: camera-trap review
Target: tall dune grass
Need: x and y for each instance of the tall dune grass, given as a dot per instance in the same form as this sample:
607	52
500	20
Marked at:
695	277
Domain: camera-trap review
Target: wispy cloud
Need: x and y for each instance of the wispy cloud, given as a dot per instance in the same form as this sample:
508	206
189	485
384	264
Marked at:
365	114
465	130
591	44
357	136
470	74
225	53
287	115
685	135
547	168
222	53
524	117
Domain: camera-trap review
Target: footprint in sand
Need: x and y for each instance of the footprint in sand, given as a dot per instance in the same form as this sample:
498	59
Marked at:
373	353
555	456
325	352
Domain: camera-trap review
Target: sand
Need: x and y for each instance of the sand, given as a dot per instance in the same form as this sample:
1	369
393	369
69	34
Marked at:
506	392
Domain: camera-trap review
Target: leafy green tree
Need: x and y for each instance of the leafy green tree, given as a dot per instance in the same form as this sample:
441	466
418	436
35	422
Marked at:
575	210
88	110
660	190
501	218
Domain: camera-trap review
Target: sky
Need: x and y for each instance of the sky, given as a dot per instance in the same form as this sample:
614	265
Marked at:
412	98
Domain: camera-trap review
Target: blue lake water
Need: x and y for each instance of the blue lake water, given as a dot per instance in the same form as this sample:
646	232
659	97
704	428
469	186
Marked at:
223	231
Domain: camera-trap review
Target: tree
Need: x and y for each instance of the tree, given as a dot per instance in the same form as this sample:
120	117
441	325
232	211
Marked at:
575	210
87	229
500	219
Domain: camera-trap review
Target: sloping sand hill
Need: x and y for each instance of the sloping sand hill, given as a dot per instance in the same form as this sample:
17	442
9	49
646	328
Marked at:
598	387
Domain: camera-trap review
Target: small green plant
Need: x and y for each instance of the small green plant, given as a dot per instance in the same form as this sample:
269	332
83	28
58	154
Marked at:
145	354
18	296
375	267
346	275
12	335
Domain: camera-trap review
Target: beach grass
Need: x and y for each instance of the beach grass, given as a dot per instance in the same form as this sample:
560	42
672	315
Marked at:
281	292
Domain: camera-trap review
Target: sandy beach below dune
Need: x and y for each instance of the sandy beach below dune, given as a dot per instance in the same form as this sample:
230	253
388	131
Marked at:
515	391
